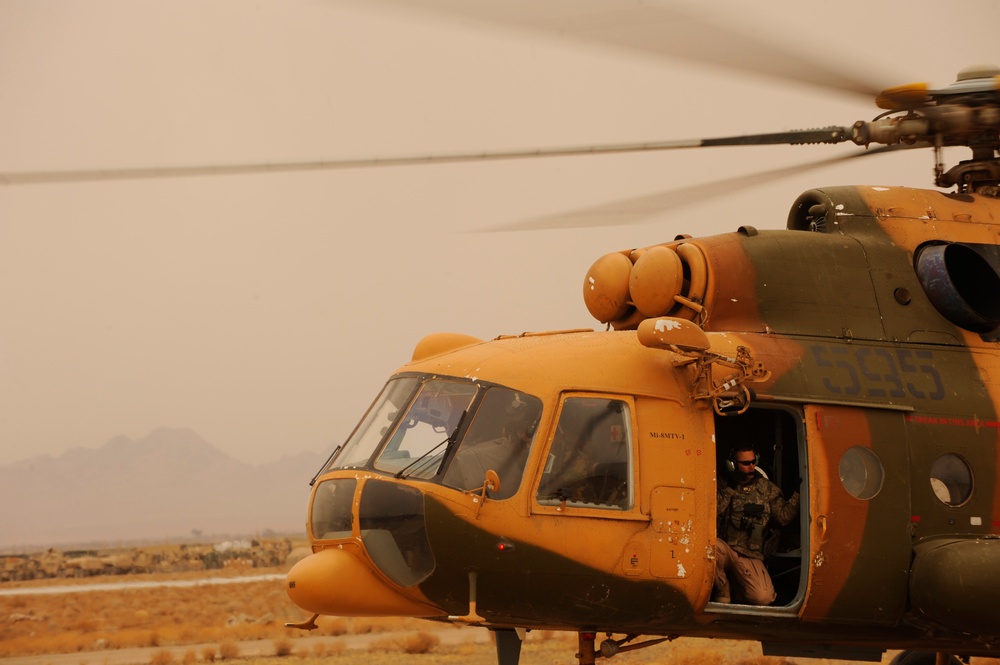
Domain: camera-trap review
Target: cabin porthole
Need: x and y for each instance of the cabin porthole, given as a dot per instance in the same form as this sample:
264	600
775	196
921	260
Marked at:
951	479
961	284
861	472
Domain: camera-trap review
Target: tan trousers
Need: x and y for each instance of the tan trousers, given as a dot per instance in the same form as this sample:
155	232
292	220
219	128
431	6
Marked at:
751	582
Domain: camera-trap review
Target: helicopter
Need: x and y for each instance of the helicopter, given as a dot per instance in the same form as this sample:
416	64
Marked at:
568	480
855	348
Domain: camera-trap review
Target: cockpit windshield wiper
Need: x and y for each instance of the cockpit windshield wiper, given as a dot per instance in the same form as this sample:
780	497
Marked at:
452	438
326	464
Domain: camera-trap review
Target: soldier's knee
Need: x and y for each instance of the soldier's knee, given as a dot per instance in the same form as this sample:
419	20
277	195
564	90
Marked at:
758	596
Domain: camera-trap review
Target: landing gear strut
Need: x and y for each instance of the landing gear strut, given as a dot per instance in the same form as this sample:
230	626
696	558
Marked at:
587	654
508	646
609	647
927	658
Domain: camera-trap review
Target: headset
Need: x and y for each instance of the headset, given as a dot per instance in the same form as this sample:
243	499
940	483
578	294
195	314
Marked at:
731	460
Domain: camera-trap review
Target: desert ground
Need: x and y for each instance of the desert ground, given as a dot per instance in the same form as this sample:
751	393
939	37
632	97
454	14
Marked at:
243	621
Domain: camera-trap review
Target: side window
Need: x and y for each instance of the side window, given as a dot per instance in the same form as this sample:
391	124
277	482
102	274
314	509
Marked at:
590	461
498	438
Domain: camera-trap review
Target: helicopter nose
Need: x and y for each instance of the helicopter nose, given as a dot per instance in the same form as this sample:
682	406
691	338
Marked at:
336	582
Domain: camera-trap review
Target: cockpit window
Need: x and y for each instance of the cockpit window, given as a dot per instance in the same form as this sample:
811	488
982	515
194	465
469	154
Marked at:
590	462
498	438
419	445
376	423
448	430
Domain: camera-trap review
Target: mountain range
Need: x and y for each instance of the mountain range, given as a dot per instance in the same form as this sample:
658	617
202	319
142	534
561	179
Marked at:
167	486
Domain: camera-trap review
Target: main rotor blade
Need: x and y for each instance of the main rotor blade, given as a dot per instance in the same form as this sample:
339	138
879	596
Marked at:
661	30
635	210
826	135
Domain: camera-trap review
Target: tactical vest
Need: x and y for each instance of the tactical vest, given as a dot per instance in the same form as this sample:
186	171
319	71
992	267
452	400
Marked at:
746	521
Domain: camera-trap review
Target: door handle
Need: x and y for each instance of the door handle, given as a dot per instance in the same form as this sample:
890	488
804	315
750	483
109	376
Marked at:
821	521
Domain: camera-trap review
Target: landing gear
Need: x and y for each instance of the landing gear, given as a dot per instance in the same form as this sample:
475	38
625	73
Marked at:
508	646
587	654
927	658
509	642
610	647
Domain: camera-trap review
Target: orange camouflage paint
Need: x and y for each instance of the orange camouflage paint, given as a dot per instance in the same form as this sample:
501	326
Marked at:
831	346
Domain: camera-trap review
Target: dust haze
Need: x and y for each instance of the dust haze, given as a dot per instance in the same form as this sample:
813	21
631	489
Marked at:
265	311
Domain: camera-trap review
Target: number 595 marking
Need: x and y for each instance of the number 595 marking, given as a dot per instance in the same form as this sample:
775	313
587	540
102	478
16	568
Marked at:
885	373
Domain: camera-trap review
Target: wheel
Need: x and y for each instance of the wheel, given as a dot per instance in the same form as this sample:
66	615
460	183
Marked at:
920	658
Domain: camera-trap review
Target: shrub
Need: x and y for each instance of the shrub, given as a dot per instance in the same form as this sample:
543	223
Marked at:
208	654
324	649
228	650
162	657
337	627
420	643
282	648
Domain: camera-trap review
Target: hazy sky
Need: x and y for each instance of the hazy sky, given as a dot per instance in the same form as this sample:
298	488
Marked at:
265	311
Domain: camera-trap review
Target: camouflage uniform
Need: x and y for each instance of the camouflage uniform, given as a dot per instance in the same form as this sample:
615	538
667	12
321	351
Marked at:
745	512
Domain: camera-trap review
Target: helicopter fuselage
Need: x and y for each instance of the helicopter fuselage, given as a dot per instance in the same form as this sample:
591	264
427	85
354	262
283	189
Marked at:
568	480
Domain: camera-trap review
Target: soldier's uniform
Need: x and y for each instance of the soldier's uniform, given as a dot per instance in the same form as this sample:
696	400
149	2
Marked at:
745	511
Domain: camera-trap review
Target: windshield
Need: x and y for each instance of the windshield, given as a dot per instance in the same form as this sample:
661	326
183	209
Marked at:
368	434
449	429
417	448
498	438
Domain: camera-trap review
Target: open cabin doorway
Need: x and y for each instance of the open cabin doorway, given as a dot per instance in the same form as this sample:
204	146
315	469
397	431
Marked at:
778	436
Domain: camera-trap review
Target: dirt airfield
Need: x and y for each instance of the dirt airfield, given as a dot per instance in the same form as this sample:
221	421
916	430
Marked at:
243	621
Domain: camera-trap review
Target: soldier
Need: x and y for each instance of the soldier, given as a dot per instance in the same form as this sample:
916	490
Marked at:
746	506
